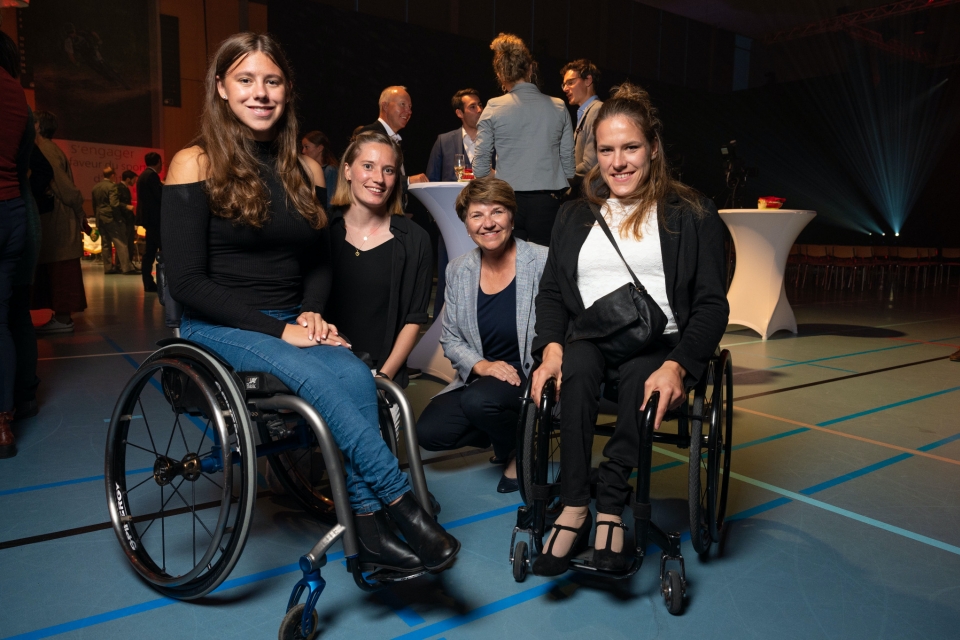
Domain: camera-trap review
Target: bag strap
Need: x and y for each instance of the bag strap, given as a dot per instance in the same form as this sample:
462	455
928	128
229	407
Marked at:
603	225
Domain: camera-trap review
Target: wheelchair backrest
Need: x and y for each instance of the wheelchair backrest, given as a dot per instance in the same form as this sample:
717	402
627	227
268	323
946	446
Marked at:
172	310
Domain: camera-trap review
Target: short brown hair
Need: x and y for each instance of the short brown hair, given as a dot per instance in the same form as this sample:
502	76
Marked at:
584	68
486	190
343	196
457	101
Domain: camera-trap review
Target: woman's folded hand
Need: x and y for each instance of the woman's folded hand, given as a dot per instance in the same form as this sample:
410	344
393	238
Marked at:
499	370
310	330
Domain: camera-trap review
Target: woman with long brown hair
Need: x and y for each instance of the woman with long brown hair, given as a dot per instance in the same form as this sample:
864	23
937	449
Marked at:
316	144
241	226
672	239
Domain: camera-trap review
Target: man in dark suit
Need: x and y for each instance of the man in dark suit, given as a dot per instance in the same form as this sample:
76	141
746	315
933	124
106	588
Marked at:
462	140
149	189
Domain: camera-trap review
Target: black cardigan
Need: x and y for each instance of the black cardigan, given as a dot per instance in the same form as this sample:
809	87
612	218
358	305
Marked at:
411	277
693	263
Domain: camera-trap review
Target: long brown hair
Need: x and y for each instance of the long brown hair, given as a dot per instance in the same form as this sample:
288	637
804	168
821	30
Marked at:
633	103
320	139
233	184
343	196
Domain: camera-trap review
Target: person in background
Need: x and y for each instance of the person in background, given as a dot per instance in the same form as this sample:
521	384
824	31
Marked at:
316	145
128	179
59	278
16	143
440	168
488	327
532	138
381	261
580	80
149	191
243	248
110	216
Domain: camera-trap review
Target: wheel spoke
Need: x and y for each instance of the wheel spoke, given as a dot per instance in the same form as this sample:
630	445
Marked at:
210	480
163	504
136	446
145	422
140	483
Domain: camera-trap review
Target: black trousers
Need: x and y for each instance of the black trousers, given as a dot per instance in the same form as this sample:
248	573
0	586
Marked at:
150	256
482	413
25	345
583	372
536	213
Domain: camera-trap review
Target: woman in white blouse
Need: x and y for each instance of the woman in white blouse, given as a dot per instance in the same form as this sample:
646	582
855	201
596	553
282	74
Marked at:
672	238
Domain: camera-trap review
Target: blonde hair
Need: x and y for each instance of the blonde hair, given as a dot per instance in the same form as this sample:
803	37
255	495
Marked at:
512	61
234	187
633	103
343	196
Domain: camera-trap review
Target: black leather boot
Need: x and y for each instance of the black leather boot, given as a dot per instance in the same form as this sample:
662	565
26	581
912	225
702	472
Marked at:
379	547
435	547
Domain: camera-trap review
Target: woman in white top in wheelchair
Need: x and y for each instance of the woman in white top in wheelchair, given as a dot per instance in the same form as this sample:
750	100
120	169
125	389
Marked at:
241	223
672	238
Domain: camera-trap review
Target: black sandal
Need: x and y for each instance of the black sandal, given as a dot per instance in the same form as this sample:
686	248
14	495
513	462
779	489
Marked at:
548	564
606	559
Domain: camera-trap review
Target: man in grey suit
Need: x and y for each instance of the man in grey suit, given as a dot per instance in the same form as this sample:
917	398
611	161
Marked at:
580	80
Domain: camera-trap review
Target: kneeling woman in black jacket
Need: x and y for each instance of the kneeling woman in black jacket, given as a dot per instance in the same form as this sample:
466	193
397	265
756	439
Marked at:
672	238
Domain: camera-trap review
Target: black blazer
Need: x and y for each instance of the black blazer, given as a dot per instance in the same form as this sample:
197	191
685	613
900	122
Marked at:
411	277
376	125
149	189
693	263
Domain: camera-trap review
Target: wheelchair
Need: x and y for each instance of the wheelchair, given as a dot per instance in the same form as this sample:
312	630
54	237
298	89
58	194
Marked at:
181	471
704	426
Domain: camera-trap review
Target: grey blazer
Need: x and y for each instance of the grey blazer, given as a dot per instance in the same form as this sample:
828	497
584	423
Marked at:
585	145
461	335
532	138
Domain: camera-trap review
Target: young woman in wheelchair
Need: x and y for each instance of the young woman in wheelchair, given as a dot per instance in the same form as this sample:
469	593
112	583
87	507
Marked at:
242	224
672	238
488	325
382	264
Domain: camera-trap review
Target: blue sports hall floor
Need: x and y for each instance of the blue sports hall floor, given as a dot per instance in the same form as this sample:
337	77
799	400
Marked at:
844	510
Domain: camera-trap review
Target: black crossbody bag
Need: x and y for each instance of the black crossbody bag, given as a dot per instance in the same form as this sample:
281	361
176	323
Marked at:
625	321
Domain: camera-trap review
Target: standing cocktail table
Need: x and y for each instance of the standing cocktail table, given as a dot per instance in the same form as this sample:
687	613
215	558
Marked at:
762	238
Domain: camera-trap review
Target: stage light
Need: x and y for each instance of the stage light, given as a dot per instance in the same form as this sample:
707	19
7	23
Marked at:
897	234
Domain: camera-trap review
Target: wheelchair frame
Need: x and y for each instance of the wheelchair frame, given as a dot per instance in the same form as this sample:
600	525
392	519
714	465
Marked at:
198	385
710	458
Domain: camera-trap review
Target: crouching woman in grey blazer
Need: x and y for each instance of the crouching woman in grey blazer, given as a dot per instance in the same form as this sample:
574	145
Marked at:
488	326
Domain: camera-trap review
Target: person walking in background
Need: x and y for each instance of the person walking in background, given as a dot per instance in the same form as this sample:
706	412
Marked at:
316	145
58	284
127	179
532	138
149	190
14	120
580	80
110	223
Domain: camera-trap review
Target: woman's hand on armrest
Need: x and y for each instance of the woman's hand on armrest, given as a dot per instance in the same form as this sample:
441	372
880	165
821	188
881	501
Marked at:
550	368
499	370
668	380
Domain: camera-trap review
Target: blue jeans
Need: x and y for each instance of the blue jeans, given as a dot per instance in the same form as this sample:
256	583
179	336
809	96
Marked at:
331	379
13	238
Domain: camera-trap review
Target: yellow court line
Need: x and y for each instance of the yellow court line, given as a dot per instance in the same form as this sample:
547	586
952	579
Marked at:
814	427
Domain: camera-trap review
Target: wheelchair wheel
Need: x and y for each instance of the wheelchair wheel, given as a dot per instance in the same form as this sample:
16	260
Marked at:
290	628
721	432
180	471
520	558
301	472
538	446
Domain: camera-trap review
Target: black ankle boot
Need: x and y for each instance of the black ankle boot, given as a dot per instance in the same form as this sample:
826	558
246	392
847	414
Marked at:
379	547
607	559
435	547
548	564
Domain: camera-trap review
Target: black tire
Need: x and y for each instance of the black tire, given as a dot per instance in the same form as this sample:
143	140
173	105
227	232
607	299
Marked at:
697	483
672	591
290	625
721	436
181	527
538	447
520	557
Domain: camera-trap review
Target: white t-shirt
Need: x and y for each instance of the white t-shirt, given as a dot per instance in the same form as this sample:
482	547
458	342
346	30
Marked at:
600	270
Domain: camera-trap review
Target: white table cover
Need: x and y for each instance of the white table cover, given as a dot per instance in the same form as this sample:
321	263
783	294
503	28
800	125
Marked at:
762	238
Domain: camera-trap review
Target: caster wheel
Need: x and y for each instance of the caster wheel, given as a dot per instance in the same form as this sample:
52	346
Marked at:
520	557
672	591
290	626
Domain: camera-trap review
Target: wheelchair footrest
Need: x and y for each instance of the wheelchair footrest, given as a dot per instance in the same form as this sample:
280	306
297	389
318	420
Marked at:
389	575
583	562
